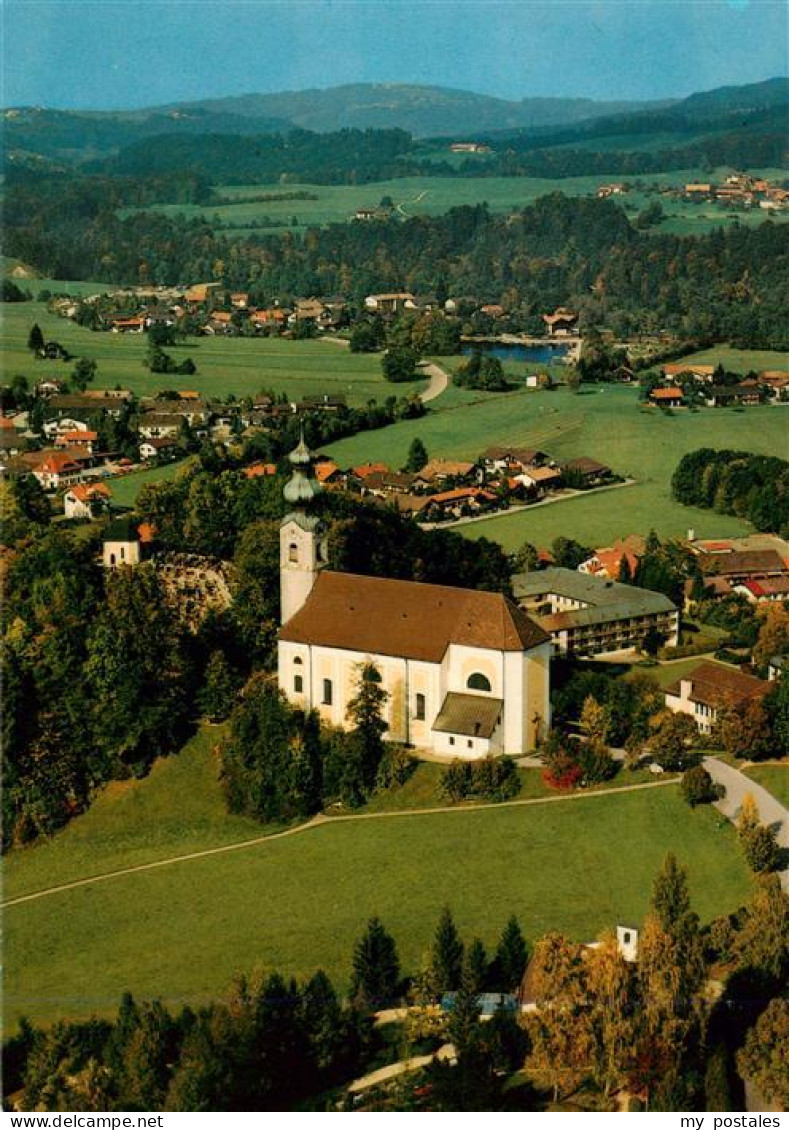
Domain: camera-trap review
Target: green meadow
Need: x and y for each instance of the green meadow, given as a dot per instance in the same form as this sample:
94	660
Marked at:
605	423
183	930
241	366
775	779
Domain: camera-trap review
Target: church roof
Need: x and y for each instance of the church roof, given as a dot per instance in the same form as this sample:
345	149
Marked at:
380	616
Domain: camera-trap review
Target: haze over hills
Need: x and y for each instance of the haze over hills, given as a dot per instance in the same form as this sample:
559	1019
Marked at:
424	111
76	137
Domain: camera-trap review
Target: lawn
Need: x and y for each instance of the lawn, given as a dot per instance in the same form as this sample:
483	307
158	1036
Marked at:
125	488
182	932
775	779
241	366
741	360
606	423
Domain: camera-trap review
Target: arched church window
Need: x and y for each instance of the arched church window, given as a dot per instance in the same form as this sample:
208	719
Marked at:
293	552
298	684
478	682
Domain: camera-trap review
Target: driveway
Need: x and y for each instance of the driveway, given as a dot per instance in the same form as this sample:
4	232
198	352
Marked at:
771	811
439	380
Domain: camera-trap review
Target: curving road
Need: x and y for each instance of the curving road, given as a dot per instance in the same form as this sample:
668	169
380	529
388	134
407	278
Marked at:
439	381
737	785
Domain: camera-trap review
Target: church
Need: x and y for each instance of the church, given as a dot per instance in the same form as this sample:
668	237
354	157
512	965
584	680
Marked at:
466	672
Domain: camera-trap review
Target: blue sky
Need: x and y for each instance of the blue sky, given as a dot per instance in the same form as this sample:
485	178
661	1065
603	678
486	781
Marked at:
127	53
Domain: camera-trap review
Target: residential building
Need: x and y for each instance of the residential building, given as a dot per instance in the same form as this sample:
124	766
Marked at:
561	323
86	500
711	688
588	615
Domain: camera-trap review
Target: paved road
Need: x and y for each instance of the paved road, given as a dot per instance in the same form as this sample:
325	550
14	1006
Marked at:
318	822
771	811
565	495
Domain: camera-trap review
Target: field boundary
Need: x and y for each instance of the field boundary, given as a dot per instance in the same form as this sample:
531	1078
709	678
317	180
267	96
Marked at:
321	821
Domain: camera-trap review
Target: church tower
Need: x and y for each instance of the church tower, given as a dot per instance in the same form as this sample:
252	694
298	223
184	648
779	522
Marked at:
303	549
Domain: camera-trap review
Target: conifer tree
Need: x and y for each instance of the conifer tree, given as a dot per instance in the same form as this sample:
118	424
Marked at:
477	965
464	1017
35	340
447	954
511	955
376	968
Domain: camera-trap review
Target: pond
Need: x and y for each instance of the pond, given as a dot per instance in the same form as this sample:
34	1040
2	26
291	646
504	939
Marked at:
516	351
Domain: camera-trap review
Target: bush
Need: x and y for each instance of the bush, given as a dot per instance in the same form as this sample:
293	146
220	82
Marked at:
396	766
698	786
492	778
760	849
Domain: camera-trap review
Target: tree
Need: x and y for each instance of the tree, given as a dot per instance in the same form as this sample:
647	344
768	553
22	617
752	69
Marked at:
417	456
365	711
376	968
748	817
447	953
525	559
511	955
673	740
217	695
594	720
760	849
83	372
773	636
765	1058
476	965
464	1015
670	899
698	786
399	364
744	730
35	340
568	554
761	943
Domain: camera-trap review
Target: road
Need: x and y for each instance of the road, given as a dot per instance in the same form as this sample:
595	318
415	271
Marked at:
771	811
393	1070
439	381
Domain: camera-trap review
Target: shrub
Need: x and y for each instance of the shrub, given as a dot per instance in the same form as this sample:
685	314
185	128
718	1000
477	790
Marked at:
698	786
396	766
760	849
492	778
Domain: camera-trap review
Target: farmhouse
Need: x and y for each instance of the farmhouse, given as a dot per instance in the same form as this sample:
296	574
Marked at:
710	688
588	615
607	562
466	672
58	470
389	303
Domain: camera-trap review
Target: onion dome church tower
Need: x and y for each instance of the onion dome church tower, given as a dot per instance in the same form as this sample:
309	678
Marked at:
303	547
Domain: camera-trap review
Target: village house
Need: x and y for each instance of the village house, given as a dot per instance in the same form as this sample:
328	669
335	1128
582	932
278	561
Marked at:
711	688
540	480
700	372
393	303
758	590
163	447
466	672
386	483
512	459
671	397
459	503
83	437
589	615
86	500
128	325
156	425
327	472
607	562
775	384
259	470
561	323
58	469
723	396
438	471
589	471
775	667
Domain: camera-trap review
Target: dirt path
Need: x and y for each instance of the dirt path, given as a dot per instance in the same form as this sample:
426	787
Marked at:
439	382
394	1070
320	821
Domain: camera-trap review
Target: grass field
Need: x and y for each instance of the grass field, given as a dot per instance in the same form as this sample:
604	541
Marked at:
775	779
605	423
433	196
126	488
181	932
241	366
741	360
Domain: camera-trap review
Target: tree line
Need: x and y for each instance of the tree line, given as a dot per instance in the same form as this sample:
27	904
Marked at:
729	284
754	487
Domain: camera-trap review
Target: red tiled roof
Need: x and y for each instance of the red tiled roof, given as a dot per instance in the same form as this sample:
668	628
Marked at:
83	492
366	469
257	470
